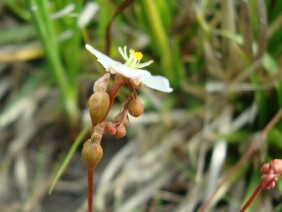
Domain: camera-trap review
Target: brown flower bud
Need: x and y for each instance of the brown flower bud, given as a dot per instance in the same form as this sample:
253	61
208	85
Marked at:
102	83
92	153
136	108
121	131
98	105
119	119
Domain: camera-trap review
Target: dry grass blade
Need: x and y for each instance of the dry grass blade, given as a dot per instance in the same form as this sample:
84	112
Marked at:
130	166
245	20
262	35
219	151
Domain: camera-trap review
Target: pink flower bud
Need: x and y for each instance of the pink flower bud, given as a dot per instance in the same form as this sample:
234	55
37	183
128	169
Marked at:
121	131
265	168
110	128
276	166
92	153
98	105
270	185
136	108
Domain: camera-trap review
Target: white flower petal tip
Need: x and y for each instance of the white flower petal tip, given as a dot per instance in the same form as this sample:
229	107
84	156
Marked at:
106	61
159	83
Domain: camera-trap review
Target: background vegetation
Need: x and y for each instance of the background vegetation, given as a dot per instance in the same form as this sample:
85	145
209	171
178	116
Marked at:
223	59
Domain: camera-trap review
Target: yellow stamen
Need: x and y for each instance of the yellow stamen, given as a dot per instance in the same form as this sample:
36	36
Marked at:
137	55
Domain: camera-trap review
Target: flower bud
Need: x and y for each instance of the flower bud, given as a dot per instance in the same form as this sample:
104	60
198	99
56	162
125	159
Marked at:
265	168
119	119
98	105
276	166
92	153
110	128
102	83
121	131
136	108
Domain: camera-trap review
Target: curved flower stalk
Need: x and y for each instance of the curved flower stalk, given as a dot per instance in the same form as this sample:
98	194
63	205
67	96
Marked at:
270	175
132	69
131	74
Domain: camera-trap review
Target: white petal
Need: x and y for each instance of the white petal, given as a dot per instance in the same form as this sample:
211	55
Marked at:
106	61
157	82
130	72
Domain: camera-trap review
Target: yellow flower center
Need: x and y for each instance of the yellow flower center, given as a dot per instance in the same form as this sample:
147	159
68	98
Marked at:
137	55
133	59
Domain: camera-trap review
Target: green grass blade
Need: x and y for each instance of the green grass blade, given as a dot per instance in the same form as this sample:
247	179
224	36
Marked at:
42	20
68	157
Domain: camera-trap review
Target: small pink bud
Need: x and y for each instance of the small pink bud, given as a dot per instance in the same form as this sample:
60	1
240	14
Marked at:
110	128
92	153
98	105
276	166
265	168
136	108
121	131
270	185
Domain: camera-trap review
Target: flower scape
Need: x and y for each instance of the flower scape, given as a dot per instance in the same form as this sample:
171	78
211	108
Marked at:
131	74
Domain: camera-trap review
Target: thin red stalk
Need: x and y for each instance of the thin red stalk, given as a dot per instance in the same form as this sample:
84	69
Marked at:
126	105
132	89
244	158
117	84
124	111
251	199
90	188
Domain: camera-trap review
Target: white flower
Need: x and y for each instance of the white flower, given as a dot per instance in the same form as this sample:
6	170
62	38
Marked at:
132	69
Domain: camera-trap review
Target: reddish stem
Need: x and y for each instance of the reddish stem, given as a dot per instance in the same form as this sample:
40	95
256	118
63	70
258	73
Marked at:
117	84
124	111
251	199
90	188
132	89
244	158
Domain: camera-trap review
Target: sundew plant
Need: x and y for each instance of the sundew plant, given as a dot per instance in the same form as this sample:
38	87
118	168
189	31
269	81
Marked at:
140	105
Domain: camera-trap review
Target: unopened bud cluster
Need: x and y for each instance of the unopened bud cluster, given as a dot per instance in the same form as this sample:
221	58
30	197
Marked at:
271	173
135	108
99	105
118	128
